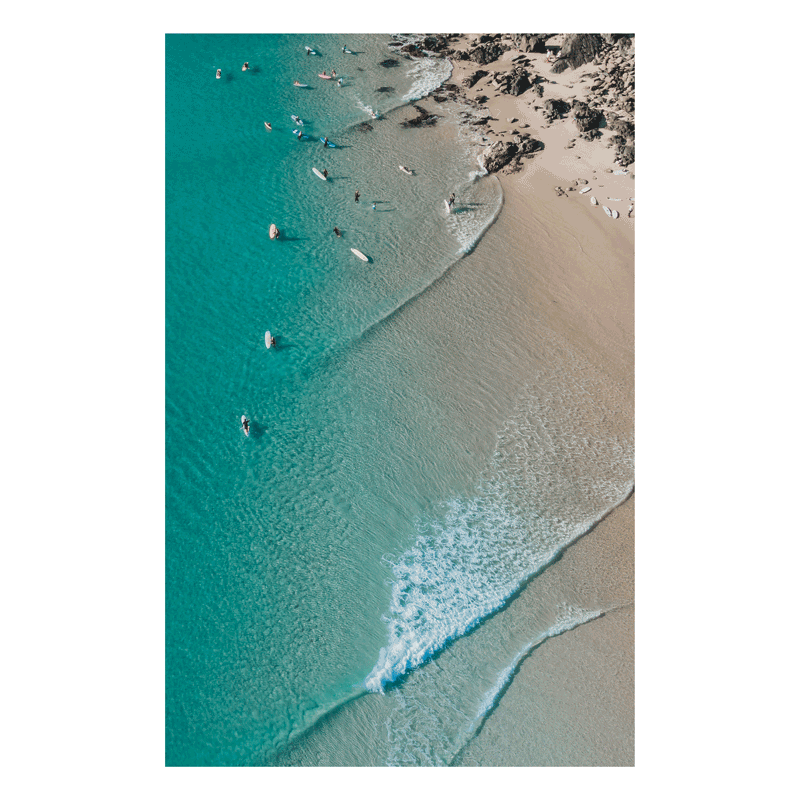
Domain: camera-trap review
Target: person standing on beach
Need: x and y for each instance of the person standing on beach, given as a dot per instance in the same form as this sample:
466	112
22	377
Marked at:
357	194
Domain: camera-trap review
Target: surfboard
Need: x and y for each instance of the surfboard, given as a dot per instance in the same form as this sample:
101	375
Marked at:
405	169
359	254
326	77
615	199
346	50
330	144
615	214
297	119
310	51
447	206
607	210
594	200
585	189
297	131
318	173
268	126
273	231
268	339
247	428
300	85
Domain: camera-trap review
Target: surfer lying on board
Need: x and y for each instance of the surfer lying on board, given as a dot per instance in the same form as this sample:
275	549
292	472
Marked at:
246	425
337	231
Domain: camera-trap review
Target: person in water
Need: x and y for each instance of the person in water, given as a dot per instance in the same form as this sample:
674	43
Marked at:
339	82
333	73
357	195
325	173
246	425
325	142
245	66
337	231
373	207
451	199
299	135
268	125
277	233
323	74
272	341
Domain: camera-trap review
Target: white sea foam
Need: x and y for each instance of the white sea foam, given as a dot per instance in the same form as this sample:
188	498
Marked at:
549	481
427	74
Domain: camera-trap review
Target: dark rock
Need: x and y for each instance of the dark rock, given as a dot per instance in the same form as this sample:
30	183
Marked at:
389	62
518	82
530	42
481	98
621	126
627	156
578	49
628	105
411	49
553	108
486	53
423	118
470	80
363	127
498	155
386	90
586	118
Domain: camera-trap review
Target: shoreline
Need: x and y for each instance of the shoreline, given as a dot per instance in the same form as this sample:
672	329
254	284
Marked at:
586	293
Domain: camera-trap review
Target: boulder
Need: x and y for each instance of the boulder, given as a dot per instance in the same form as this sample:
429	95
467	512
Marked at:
586	118
470	80
389	62
498	155
553	108
486	53
518	82
578	49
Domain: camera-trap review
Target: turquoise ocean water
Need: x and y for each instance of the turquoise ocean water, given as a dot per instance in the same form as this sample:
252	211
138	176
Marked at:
339	585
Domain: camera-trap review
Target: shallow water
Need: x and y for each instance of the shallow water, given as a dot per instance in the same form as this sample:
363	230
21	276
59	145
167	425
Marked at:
412	460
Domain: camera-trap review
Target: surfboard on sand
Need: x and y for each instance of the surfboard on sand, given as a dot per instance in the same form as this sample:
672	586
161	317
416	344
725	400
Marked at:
318	173
607	210
273	231
359	254
594	200
615	214
585	189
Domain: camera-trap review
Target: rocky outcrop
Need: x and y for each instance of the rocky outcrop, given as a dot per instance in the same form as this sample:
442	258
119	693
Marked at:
471	80
579	49
529	42
553	109
423	118
518	81
389	62
586	118
498	155
486	53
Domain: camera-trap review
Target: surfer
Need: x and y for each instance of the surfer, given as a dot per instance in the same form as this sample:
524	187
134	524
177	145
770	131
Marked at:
337	231
333	73
277	233
219	73
272	341
246	426
373	207
245	66
268	126
323	74
451	199
339	82
299	135
325	173
357	195
325	142
297	83
344	49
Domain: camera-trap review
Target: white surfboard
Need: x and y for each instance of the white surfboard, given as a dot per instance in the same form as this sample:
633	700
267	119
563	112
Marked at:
615	199
607	210
268	339
268	126
359	254
594	200
447	206
300	85
273	231
615	214
405	169
318	173
585	189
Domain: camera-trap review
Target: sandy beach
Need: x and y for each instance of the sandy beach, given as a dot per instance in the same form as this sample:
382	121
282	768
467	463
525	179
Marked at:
574	694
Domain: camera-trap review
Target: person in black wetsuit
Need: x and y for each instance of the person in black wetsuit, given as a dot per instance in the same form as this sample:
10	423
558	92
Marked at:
337	231
357	195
